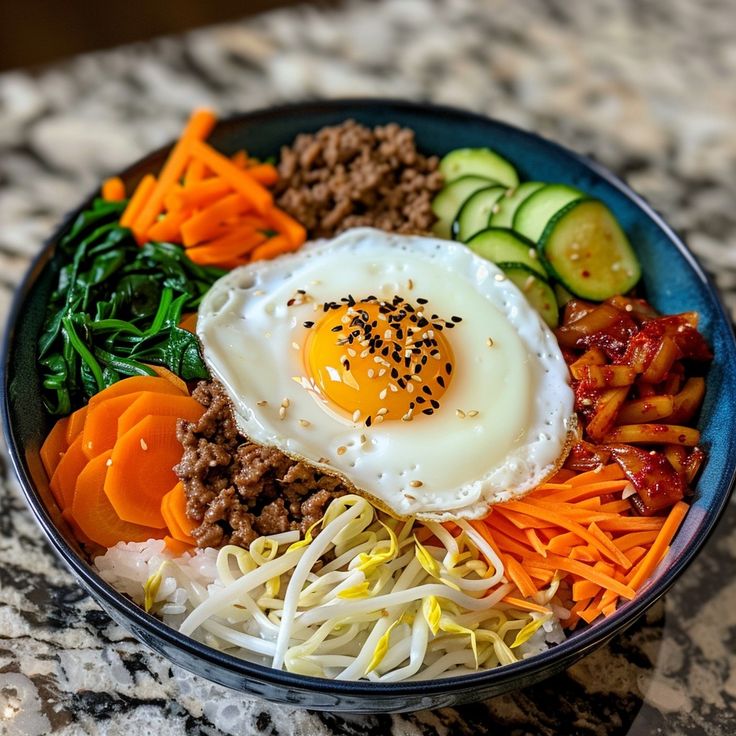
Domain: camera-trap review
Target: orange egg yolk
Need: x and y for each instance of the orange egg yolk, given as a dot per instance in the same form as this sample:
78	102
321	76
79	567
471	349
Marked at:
375	361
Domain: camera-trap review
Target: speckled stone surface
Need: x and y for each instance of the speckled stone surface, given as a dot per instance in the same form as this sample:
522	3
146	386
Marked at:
646	87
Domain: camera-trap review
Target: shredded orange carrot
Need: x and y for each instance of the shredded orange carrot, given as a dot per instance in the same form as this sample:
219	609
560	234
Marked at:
524	605
138	200
197	129
113	189
519	577
273	247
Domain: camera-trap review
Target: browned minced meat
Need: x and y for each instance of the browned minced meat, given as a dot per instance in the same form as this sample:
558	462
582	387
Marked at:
349	176
237	490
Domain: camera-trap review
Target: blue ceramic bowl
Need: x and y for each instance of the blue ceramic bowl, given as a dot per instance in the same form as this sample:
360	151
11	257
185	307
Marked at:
673	280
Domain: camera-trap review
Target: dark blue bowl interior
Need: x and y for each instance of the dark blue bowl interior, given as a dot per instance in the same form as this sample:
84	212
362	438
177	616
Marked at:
673	282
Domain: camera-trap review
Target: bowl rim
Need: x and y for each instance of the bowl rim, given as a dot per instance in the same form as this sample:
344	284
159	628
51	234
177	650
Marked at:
554	658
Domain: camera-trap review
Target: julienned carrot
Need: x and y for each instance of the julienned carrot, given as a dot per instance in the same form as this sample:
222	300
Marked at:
95	515
207	223
265	174
138	200
54	446
141	472
197	129
588	572
658	549
519	577
523	605
273	247
240	180
168	228
113	189
609	472
586	491
237	244
285	224
196	171
199	194
634	539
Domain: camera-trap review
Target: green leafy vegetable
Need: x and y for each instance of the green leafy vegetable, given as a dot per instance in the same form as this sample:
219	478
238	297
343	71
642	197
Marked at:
116	308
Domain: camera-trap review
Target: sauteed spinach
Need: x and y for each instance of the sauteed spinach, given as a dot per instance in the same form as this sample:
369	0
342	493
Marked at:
116	308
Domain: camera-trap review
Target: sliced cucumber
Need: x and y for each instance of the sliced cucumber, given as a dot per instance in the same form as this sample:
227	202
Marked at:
539	208
562	294
537	291
588	252
475	212
501	245
449	200
480	162
504	214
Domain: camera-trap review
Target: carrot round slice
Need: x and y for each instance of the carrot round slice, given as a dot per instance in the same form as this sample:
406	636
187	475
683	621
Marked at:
94	513
101	427
152	403
67	471
75	425
54	446
172	377
174	511
133	384
141	471
176	546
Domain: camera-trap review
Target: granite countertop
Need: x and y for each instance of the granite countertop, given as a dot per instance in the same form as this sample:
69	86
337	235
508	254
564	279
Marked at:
646	87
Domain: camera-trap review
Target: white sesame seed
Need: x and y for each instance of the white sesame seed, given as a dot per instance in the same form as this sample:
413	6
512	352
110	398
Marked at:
586	402
499	277
342	450
258	292
496	207
387	334
416	378
364	343
410	388
363	439
304	422
382	395
351	352
371	373
575	246
616	266
460	413
285	403
489	342
529	283
261	403
394	388
364	353
382	373
416	483
599	468
378	359
144	446
409	496
383	410
574	256
410	284
282	412
345	319
378	419
407	353
356	415
295	345
533	253
108	462
473	413
630	308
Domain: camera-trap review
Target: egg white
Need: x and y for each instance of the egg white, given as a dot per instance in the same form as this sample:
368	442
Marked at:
251	326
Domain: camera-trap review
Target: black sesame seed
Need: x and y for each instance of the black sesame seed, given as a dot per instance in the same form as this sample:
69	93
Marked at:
422	322
309	324
368	421
395	356
417	368
449	325
456	319
401	383
427	390
435	404
291	302
394	373
385	350
407	362
440	381
411	404
301	291
422	300
448	367
428	411
424	360
420	399
336	328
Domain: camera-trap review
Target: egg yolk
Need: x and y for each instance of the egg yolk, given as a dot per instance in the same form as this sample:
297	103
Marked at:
376	360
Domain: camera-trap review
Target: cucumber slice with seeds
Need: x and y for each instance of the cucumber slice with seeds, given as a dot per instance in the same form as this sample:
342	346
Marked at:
537	291
449	200
475	212
539	208
507	206
588	252
501	245
480	162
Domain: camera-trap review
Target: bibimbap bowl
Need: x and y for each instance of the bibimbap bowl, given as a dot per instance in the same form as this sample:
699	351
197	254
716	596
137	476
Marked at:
673	282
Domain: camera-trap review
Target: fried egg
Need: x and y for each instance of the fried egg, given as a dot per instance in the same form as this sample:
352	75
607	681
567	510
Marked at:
406	365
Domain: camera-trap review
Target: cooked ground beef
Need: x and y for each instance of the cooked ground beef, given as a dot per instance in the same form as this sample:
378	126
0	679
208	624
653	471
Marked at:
237	490
349	176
